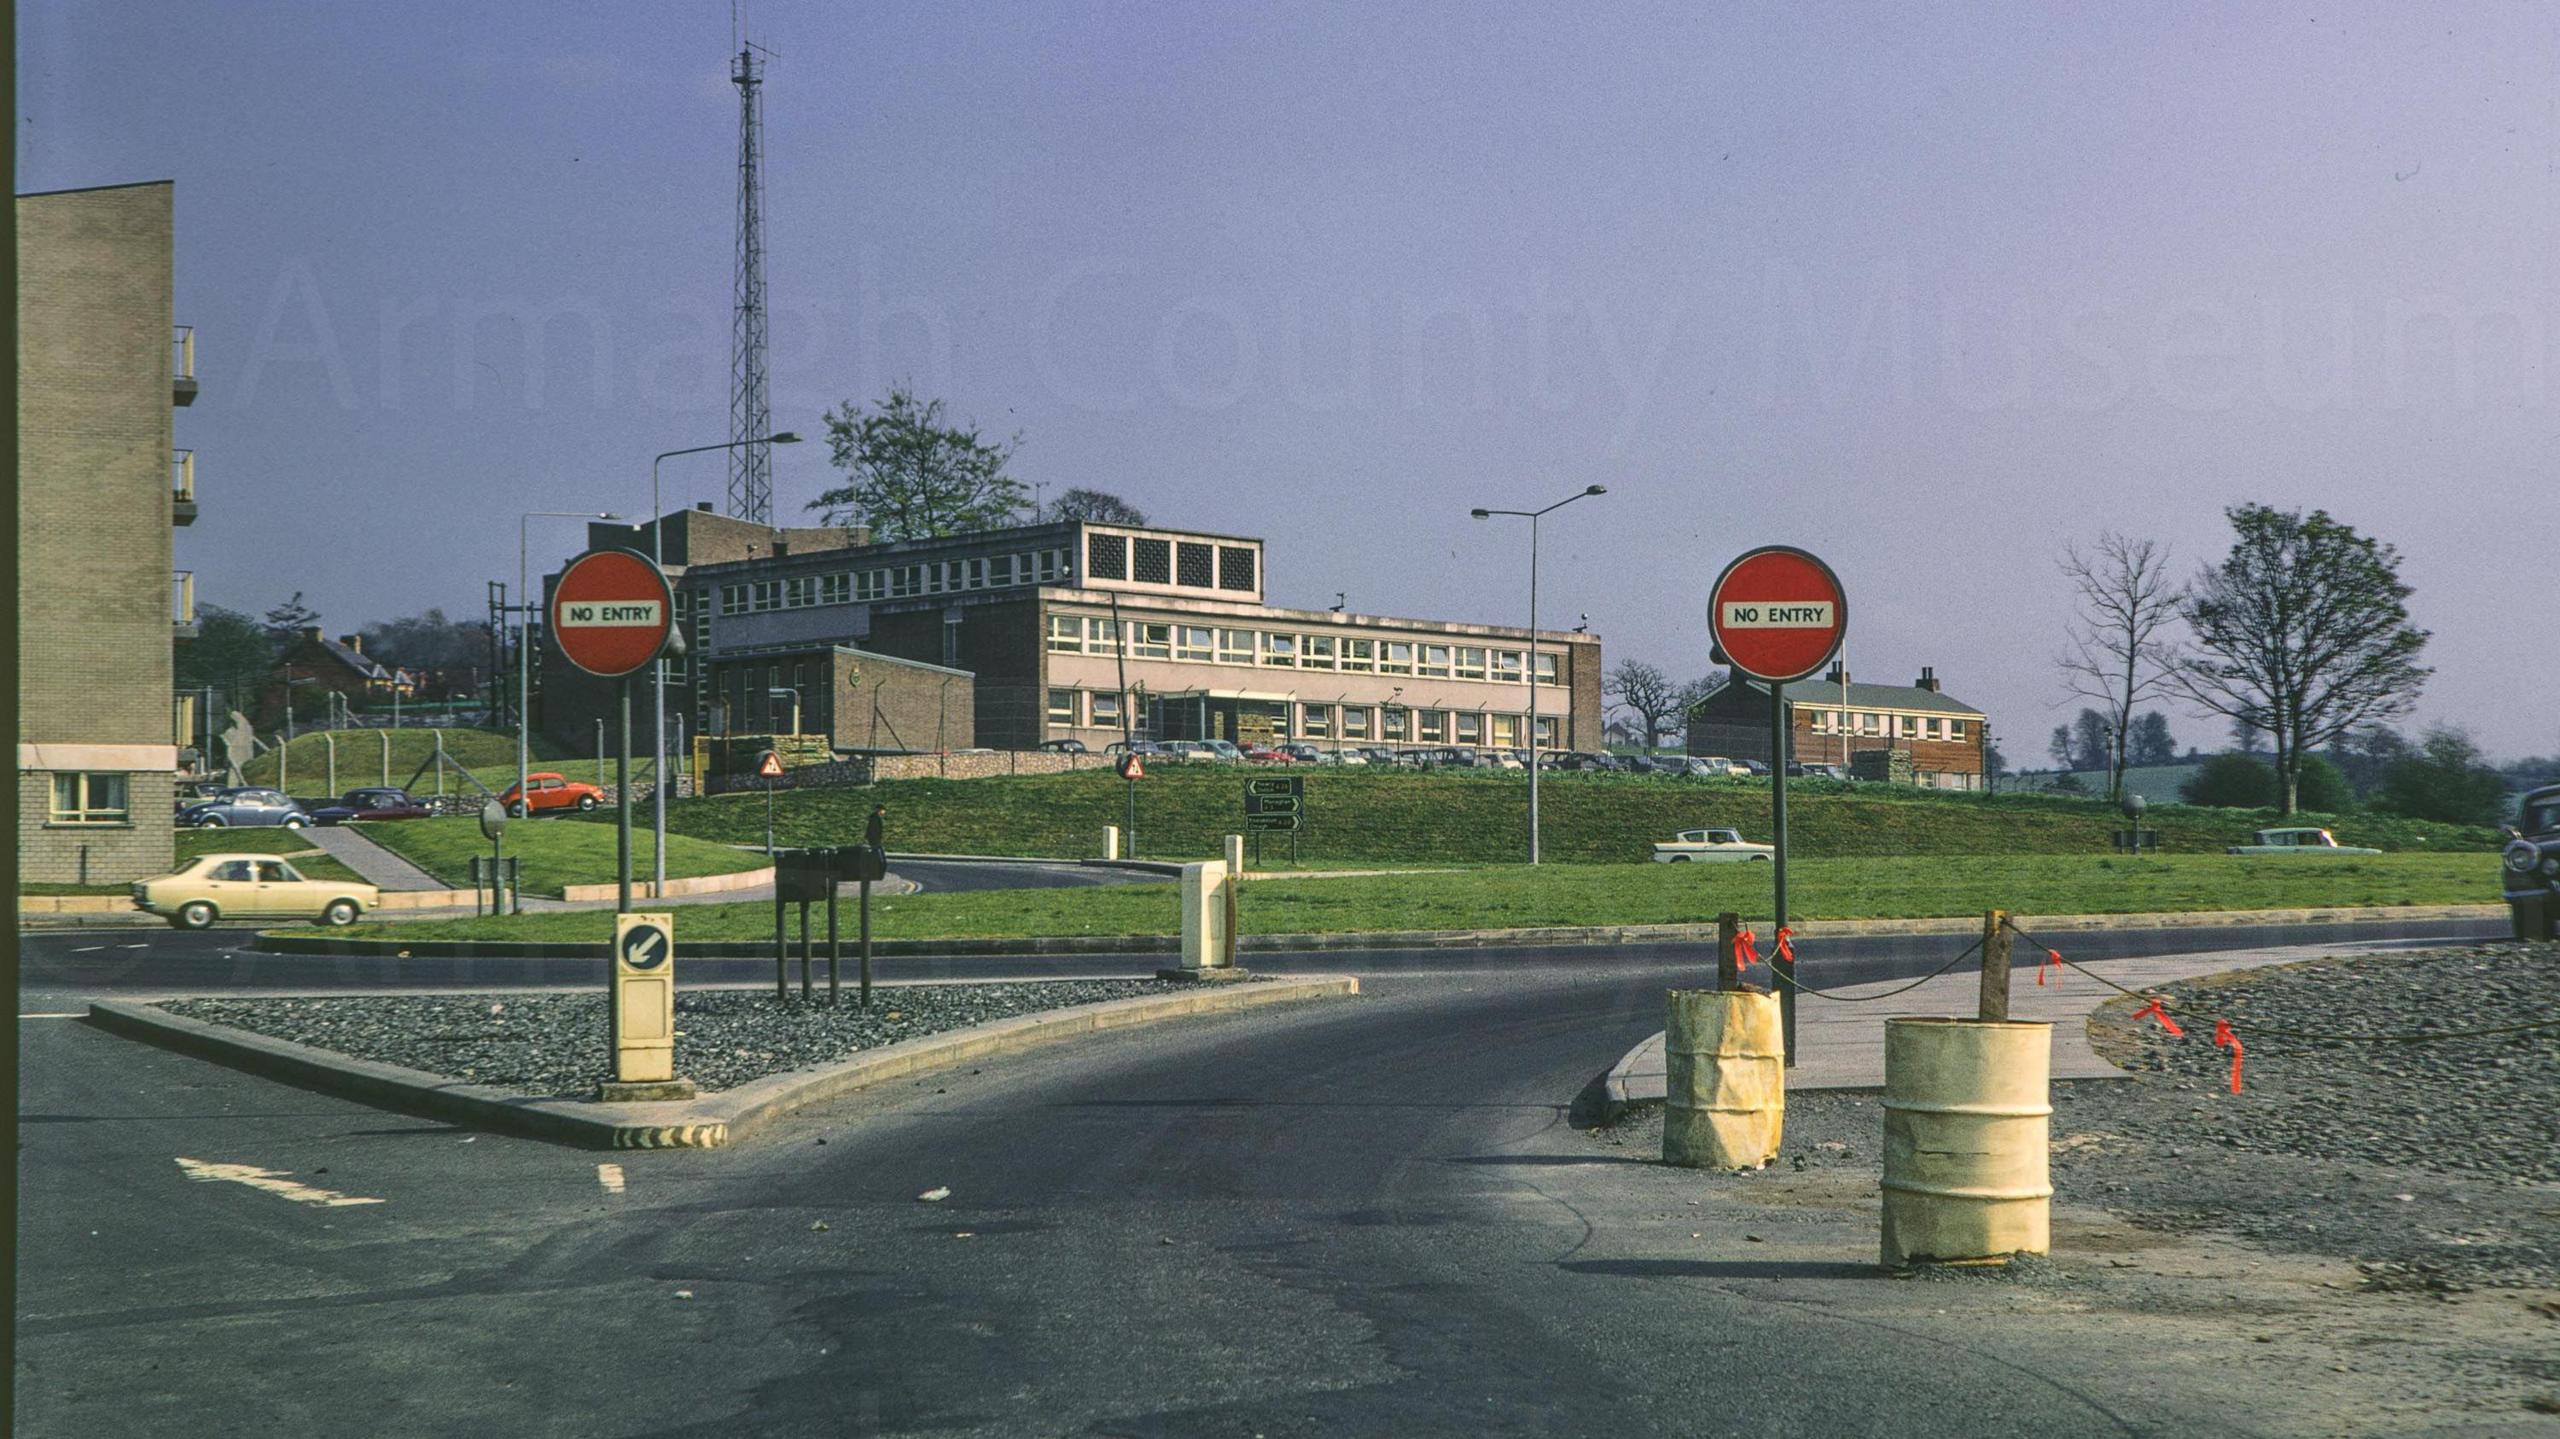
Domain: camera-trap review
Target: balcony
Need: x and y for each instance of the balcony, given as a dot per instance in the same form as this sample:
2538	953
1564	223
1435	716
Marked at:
182	379
182	487
182	605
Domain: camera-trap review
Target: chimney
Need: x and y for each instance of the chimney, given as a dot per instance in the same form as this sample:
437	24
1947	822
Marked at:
703	505
353	642
311	633
1929	679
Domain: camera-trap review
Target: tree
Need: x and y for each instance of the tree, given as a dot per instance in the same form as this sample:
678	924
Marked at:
2117	655
231	653
2151	742
910	476
286	622
2303	631
1646	690
1096	505
2445	779
2231	781
2082	744
441	650
2366	756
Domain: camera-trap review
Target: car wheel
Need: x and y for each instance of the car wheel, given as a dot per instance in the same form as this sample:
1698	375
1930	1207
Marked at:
1684	859
294	823
196	915
586	802
1760	859
516	809
340	913
211	821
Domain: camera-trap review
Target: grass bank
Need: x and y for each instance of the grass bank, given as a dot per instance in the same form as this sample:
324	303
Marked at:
554	852
488	754
1517	897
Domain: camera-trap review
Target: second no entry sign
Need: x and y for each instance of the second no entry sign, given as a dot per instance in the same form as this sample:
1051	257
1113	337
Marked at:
1777	613
611	611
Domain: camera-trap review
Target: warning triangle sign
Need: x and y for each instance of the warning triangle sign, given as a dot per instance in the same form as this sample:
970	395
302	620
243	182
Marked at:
770	767
1132	768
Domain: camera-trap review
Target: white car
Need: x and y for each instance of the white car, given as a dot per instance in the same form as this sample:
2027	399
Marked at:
1711	846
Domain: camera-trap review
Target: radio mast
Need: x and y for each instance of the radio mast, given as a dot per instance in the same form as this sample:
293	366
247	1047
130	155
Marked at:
750	414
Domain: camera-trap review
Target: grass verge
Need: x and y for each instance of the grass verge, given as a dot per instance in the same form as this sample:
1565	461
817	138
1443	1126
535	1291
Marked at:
554	852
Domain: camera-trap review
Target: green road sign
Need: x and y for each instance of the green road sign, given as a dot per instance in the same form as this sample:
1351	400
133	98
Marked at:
1274	803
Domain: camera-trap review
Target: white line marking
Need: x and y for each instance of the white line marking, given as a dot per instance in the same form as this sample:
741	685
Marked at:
271	1180
89	949
133	946
610	1176
66	1014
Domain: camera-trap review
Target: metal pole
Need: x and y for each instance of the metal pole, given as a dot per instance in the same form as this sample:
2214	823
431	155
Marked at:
386	761
622	801
599	751
524	678
866	944
1533	689
1784	967
835	944
658	708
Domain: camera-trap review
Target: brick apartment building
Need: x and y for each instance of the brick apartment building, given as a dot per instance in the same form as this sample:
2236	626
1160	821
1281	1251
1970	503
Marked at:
1035	616
100	494
1838	718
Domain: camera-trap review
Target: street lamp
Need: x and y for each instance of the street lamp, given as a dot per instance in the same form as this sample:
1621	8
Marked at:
1532	517
524	641
658	671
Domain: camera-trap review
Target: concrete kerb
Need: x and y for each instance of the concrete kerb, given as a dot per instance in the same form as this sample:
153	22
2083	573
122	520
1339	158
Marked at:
704	1123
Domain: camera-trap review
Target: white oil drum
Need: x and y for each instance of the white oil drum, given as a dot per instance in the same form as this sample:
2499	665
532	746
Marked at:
1968	1118
1724	1061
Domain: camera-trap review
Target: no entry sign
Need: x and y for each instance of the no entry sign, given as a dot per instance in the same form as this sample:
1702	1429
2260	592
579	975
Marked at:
610	612
1777	613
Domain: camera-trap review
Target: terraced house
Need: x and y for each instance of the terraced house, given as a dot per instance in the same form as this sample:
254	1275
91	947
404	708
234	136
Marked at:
1086	631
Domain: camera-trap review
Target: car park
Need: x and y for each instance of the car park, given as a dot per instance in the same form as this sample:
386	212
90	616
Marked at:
549	793
1264	754
1711	846
250	886
2296	841
1301	752
245	807
1218	751
1063	746
1379	754
2531	866
1343	756
371	806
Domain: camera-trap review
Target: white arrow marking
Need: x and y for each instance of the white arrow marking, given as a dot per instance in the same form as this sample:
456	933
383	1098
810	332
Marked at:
273	1181
610	1176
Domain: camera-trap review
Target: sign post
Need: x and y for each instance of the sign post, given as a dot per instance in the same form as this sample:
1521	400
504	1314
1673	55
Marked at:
641	1017
1132	770
1778	615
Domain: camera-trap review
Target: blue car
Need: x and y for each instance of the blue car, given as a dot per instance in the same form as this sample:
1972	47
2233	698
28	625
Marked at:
244	807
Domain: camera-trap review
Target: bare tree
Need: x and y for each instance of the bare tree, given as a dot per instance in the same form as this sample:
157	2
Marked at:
1097	505
2303	633
2118	656
1646	690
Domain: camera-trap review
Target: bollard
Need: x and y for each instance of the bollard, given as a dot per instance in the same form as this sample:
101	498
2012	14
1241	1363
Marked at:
1724	1079
1208	925
1967	1121
1111	841
1235	854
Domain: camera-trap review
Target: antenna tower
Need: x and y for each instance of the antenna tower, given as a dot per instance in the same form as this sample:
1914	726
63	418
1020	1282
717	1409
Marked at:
750	415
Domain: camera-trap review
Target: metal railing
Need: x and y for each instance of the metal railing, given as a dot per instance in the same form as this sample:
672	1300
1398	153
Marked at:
184	343
182	598
182	476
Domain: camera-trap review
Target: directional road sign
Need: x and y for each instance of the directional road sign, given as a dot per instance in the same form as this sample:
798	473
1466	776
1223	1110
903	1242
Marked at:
645	946
1274	803
1777	613
611	611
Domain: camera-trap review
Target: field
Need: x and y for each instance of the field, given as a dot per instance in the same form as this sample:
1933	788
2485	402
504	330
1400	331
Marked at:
1516	896
554	852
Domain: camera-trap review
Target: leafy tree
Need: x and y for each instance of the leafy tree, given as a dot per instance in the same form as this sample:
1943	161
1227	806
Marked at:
446	650
2446	779
2151	742
2118	654
2367	755
1994	763
2083	743
2302	631
911	476
1646	690
2231	781
1096	505
2324	787
231	653
2247	738
286	622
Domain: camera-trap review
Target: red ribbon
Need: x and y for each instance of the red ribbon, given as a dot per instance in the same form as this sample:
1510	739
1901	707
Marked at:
1746	948
2154	1011
1786	944
2052	960
2223	1038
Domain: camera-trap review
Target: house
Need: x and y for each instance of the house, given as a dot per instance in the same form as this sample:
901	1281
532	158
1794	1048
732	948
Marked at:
313	663
1836	719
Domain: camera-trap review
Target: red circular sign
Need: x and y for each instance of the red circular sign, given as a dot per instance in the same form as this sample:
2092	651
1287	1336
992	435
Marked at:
1777	613
610	612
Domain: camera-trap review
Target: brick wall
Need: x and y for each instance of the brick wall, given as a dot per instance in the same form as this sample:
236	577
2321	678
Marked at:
50	854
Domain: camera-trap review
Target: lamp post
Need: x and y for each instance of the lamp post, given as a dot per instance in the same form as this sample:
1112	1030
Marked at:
1532	517
658	671
524	640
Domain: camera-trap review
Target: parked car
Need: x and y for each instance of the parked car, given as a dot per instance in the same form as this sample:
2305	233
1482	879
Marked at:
1749	767
2296	841
1709	846
2532	866
245	807
1579	760
1264	754
1063	746
370	806
1143	748
551	792
1301	752
1501	759
1816	771
249	886
1378	754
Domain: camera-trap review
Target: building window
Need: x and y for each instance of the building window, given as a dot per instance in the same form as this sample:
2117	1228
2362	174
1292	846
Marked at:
1546	732
1106	557
1053	566
1235	568
1359	655
1818	721
870	585
1955	729
1910	727
1470	663
1315	721
934	576
1106	709
1066	634
1151	561
1235	647
1191	566
1280	652
768	595
1506	731
1000	572
835	589
1470	728
1197	644
1395	657
1393	723
1101	637
1152	642
1507	666
1547	674
1062	708
91	799
977	574
1316	653
1434	727
1355	722
795	593
733	599
1434	664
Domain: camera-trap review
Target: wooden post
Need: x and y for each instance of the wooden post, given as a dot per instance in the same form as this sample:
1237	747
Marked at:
1995	965
1728	964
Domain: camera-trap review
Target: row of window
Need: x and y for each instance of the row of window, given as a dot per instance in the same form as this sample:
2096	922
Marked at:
1395	724
1151	560
1208	644
1871	722
895	582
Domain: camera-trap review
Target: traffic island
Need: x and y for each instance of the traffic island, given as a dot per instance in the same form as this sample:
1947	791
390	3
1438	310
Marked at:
518	1063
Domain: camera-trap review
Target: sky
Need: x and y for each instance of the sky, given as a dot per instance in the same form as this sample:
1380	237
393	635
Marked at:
1927	290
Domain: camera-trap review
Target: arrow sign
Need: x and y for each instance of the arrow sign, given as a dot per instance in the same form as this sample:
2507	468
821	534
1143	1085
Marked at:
645	946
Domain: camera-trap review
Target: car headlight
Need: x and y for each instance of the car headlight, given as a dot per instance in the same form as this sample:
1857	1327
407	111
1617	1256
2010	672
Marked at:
2521	855
2552	867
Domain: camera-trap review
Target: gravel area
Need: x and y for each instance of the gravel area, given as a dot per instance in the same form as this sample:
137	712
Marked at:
554	1044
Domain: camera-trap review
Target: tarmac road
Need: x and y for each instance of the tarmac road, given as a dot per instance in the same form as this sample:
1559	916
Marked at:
1354	1217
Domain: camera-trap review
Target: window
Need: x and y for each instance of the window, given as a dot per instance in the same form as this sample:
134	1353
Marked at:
1470	663
1280	652
1235	568
1470	728
1547	674
1152	642
934	575
1316	652
1955	729
906	580
768	594
1151	561
91	799
977	574
1062	708
1508	667
1393	723
1106	557
1000	572
1235	647
684	603
1820	721
1053	566
1101	637
1929	728
870	585
835	589
796	593
733	599
238	871
1434	727
1546	732
1315	721
1355	722
1910	726
1506	731
1106	709
1196	644
1359	656
1434	664
1191	565
1066	635
1395	658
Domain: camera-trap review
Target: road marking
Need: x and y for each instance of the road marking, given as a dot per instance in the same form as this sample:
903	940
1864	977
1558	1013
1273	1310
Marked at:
89	949
133	946
64	1014
610	1176
273	1181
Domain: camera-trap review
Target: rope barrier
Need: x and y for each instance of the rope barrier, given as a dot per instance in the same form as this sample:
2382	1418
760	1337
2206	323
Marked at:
1803	988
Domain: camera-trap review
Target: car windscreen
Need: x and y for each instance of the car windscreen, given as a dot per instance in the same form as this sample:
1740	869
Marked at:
2542	818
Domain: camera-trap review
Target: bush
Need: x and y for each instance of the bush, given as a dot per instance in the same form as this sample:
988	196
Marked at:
2232	781
2444	780
2322	786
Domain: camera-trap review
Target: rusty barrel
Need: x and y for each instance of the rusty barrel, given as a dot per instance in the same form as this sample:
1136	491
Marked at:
1967	1125
1724	1088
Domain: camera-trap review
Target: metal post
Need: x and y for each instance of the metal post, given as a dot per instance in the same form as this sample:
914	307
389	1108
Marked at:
806	957
1533	691
866	944
386	761
329	746
1995	966
781	946
622	802
835	945
1779	964
599	751
1129	831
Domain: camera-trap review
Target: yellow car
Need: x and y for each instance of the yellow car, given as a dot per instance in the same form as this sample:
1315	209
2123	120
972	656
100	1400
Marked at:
250	886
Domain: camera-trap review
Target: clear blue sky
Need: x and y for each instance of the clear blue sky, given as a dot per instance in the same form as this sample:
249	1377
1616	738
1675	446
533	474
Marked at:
1926	289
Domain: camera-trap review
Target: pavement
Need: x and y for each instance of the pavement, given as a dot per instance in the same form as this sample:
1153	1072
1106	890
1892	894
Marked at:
380	867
